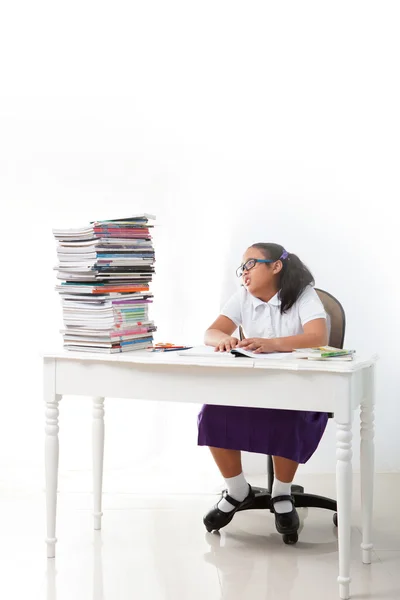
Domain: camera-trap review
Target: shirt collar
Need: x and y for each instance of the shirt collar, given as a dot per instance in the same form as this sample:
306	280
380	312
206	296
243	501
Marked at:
275	300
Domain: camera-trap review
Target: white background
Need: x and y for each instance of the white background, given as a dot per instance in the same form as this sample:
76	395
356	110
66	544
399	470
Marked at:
233	122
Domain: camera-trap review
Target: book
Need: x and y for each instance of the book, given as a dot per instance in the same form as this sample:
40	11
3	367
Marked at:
209	351
324	353
105	270
257	355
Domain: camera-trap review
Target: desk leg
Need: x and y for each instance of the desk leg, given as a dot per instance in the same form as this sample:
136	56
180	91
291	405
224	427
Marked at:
51	455
344	483
51	580
98	457
367	466
98	583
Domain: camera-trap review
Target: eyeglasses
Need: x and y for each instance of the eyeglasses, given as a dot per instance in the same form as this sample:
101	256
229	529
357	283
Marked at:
250	264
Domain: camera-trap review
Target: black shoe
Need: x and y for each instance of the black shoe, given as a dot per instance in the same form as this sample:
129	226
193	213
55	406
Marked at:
215	519
286	523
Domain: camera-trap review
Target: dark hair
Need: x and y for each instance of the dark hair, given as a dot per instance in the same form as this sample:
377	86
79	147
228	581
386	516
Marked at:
294	276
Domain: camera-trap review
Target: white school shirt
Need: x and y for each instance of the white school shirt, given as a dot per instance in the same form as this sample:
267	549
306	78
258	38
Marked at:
264	319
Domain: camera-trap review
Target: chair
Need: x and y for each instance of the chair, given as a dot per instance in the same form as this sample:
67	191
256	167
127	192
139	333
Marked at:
262	500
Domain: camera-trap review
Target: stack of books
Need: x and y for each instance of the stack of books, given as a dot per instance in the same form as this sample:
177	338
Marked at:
105	271
324	353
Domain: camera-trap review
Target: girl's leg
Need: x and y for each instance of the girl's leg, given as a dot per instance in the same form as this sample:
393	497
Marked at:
229	463
285	471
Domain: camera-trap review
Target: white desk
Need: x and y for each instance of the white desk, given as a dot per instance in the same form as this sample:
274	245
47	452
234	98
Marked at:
289	383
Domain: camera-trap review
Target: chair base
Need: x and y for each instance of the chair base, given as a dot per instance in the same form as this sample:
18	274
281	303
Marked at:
262	500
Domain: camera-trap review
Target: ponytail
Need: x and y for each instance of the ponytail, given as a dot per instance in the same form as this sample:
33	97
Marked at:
294	276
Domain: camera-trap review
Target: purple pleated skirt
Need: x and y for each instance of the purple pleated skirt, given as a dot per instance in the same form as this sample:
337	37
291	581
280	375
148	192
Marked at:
287	433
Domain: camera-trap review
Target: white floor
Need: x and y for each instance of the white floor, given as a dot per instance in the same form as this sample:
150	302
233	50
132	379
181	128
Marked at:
156	548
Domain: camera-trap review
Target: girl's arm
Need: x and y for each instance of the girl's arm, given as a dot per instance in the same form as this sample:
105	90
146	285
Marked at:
315	333
219	334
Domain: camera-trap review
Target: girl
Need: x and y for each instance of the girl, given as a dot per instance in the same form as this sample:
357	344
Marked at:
279	311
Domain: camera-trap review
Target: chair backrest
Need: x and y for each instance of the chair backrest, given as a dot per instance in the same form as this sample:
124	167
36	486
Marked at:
337	318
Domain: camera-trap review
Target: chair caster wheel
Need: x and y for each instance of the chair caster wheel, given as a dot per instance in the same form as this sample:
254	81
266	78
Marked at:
335	519
290	538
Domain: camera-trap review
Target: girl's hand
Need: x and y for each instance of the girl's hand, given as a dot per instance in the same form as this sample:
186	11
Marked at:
226	344
257	345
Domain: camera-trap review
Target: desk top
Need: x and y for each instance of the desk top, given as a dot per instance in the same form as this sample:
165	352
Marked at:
219	361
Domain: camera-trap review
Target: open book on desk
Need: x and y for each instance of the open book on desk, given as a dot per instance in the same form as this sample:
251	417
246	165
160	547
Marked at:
208	351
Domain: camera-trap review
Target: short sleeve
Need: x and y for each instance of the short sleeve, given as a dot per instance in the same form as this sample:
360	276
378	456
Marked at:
310	306
232	309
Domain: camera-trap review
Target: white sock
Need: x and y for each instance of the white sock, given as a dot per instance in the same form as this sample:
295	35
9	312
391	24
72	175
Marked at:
280	488
238	488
